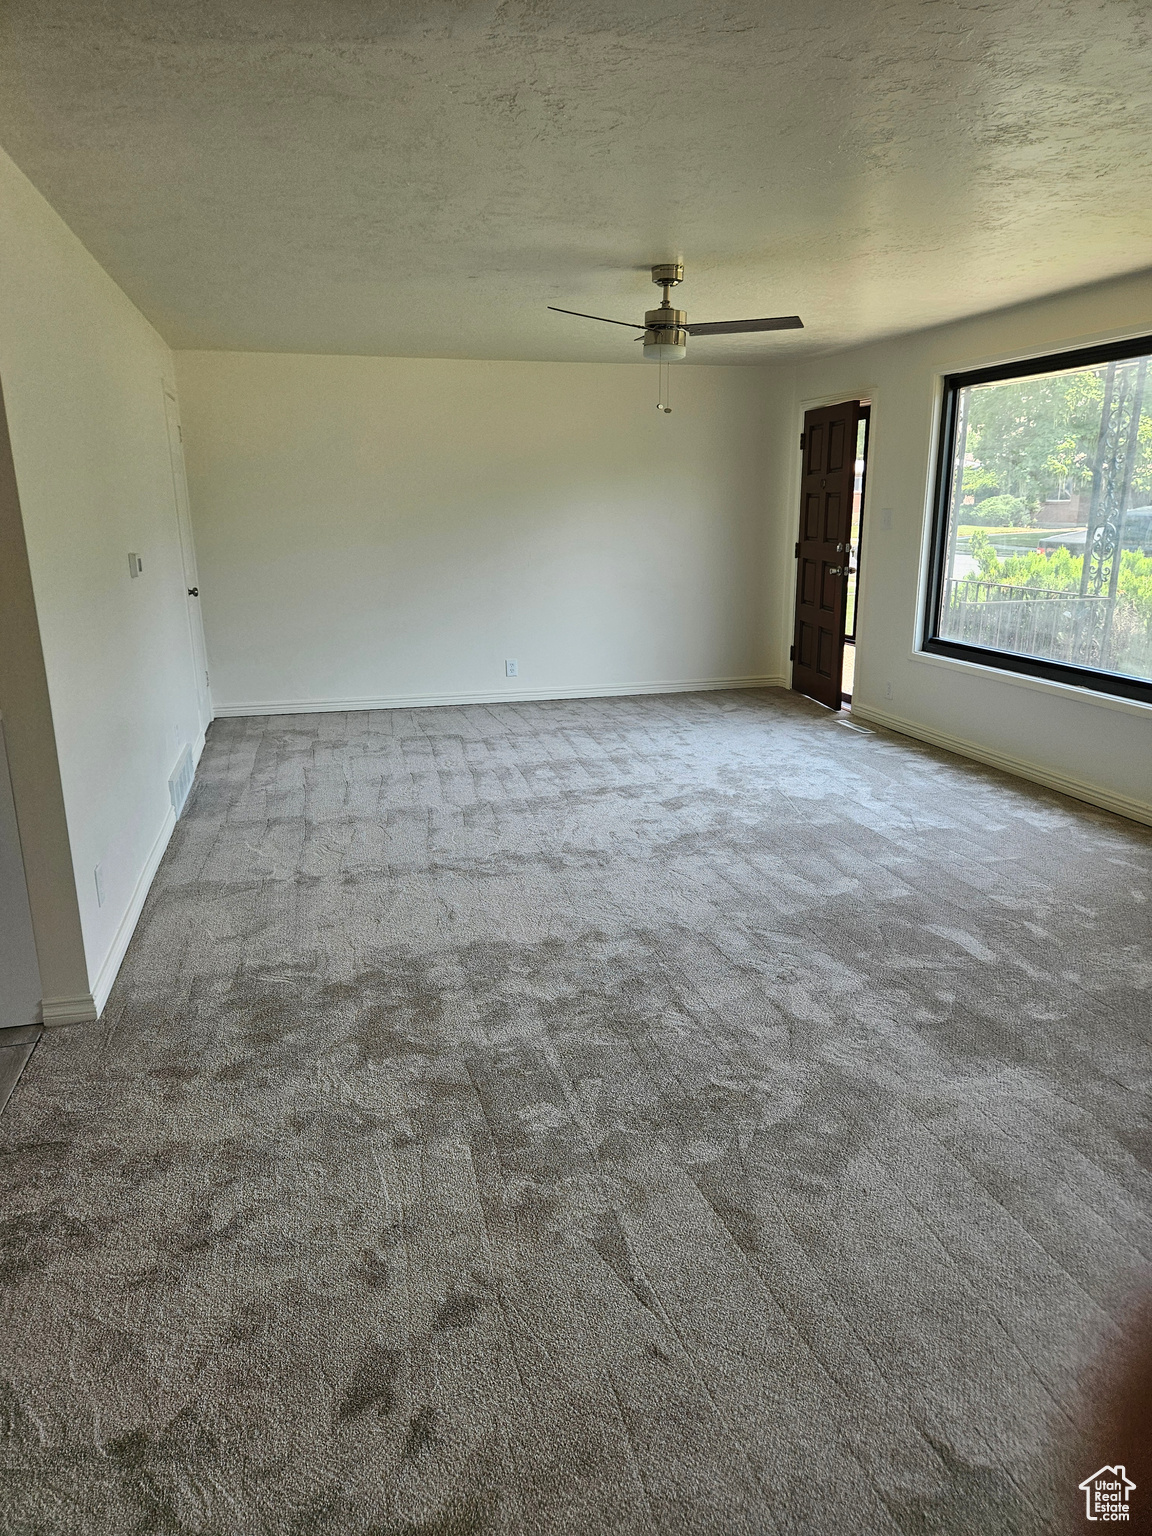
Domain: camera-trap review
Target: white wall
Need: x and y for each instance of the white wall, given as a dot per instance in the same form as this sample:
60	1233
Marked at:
81	372
1097	747
20	989
390	529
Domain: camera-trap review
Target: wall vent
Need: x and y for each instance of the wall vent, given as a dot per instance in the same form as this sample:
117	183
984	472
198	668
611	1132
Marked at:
181	781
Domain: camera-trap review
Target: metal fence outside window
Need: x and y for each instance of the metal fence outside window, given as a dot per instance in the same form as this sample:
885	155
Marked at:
1030	621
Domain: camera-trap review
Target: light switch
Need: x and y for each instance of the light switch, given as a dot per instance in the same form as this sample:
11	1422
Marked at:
135	566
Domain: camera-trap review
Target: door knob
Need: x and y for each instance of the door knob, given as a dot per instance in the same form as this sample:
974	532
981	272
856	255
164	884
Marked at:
193	591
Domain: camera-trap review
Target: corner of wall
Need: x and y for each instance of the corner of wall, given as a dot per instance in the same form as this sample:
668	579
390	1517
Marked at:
98	679
37	793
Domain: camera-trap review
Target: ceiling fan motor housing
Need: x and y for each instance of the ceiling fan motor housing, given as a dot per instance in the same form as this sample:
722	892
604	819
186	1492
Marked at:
666	339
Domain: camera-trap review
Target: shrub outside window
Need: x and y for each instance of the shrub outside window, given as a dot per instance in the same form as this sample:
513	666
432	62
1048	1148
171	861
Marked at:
1042	547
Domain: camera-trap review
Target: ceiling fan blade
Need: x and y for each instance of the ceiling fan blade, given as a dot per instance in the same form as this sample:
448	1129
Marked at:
605	319
735	327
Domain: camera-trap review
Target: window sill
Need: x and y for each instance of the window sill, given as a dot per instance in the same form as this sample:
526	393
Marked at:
1040	684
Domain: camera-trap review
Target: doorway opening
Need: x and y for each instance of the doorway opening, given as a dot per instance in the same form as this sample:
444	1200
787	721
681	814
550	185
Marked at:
188	555
848	667
833	448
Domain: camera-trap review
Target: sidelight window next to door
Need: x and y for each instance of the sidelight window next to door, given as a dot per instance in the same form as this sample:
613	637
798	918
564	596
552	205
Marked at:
848	670
833	449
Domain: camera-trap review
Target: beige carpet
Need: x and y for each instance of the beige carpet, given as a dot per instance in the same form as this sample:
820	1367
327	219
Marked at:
677	1114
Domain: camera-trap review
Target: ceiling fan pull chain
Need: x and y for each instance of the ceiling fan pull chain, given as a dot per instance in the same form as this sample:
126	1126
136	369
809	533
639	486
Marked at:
662	399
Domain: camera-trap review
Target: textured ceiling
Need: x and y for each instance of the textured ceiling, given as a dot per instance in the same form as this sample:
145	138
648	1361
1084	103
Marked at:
374	177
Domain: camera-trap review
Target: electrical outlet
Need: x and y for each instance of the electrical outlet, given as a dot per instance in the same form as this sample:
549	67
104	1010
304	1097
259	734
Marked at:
886	518
98	875
887	690
135	566
511	669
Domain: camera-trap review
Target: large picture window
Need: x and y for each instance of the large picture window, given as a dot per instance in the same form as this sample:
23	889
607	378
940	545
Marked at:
1042	549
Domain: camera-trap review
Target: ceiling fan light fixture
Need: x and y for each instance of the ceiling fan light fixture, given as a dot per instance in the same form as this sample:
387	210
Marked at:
663	349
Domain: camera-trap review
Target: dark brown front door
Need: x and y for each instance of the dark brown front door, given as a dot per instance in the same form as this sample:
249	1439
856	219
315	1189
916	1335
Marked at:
822	552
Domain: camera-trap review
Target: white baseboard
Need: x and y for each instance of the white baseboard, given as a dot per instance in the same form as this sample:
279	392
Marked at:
107	973
497	696
69	1010
1078	789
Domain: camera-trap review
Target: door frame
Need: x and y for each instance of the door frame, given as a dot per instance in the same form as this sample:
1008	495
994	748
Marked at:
866	396
185	535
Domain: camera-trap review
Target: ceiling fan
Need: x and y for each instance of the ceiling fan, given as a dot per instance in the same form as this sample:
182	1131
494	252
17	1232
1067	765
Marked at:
666	330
